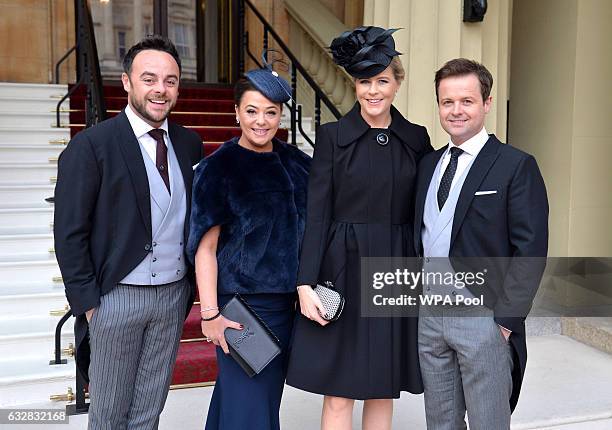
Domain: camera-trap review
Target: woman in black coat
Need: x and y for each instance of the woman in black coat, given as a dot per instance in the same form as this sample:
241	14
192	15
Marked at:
360	204
247	219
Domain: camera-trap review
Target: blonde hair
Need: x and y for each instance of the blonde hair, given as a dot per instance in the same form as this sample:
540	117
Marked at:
398	69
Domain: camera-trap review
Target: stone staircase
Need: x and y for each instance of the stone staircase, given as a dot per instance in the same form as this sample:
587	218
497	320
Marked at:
31	303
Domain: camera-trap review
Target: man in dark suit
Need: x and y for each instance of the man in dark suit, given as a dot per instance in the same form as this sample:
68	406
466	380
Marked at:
476	197
122	204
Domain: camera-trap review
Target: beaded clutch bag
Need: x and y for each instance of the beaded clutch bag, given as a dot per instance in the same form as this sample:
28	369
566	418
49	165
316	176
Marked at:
332	301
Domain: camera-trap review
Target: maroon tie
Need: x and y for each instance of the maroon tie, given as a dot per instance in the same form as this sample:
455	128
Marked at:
161	155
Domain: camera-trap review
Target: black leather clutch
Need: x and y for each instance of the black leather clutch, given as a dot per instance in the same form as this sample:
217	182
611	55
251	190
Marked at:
253	347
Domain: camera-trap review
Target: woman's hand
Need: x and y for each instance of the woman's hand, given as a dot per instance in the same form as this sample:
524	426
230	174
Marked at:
311	305
215	330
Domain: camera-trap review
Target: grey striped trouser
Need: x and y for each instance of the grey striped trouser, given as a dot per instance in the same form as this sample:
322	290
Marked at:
134	337
466	364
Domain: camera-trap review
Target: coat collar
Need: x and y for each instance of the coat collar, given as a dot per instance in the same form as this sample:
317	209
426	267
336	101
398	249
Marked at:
352	126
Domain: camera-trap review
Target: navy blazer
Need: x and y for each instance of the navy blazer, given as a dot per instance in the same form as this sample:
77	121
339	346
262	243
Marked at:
513	222
102	221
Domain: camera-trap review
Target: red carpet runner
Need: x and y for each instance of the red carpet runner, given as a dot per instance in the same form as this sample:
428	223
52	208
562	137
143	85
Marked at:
210	112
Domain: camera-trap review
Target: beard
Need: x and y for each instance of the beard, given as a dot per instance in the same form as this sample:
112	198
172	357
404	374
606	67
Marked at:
139	106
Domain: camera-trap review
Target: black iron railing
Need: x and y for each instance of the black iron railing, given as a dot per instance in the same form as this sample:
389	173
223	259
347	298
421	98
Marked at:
88	77
295	67
88	67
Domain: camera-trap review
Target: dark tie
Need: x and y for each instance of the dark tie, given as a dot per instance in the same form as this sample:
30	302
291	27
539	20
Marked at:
161	155
447	177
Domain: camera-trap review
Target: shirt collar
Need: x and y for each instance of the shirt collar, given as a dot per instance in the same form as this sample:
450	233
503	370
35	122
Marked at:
474	144
140	126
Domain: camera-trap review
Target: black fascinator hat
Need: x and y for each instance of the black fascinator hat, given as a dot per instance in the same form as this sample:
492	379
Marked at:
365	51
269	83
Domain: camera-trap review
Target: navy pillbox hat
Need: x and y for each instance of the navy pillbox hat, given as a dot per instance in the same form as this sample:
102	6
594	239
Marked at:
270	84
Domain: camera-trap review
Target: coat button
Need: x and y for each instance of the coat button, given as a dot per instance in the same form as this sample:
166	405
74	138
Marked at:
147	247
154	274
154	259
154	243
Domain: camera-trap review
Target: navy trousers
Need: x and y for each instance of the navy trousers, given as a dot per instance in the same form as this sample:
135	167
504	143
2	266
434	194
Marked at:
239	402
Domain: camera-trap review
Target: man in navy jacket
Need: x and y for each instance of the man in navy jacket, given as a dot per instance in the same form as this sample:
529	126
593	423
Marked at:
122	205
477	197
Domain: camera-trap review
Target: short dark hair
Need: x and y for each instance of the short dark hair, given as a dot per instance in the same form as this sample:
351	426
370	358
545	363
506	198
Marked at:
152	41
242	86
462	67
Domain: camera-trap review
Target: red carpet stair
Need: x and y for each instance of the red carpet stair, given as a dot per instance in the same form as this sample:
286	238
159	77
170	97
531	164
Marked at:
210	112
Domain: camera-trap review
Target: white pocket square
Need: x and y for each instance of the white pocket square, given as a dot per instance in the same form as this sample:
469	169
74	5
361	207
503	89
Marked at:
195	165
484	193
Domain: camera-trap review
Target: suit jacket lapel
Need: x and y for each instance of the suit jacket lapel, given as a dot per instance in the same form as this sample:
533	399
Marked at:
427	169
481	166
130	150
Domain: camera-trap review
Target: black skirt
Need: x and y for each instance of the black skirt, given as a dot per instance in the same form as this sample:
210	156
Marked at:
356	357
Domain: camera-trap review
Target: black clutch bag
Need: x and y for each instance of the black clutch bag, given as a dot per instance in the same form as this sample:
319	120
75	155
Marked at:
253	347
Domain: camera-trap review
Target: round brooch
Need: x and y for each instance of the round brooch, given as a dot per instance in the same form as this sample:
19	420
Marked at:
382	139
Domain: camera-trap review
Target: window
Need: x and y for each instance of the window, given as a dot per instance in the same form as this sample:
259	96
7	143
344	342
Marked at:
181	39
121	44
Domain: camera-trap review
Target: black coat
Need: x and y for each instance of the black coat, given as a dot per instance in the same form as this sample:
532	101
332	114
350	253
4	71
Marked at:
102	221
498	227
360	204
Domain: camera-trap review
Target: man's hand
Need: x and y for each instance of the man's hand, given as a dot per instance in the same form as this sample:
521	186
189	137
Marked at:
89	314
505	333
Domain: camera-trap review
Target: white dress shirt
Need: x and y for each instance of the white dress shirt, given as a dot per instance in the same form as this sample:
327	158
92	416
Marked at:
141	130
470	147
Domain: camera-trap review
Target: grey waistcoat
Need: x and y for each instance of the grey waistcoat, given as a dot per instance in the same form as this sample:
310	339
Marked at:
166	261
436	233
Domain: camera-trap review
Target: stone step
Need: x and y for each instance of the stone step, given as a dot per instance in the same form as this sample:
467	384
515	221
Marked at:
25	244
32	91
28	272
27	173
33	136
23	153
33	304
26	220
44	119
32	380
18	327
34	104
593	331
25	196
36	345
10	288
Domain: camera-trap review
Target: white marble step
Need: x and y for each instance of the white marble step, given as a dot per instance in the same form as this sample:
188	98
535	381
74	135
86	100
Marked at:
34	104
26	220
25	196
28	272
36	345
32	91
44	289
33	380
43	119
17	327
33	136
27	173
34	304
25	244
24	153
